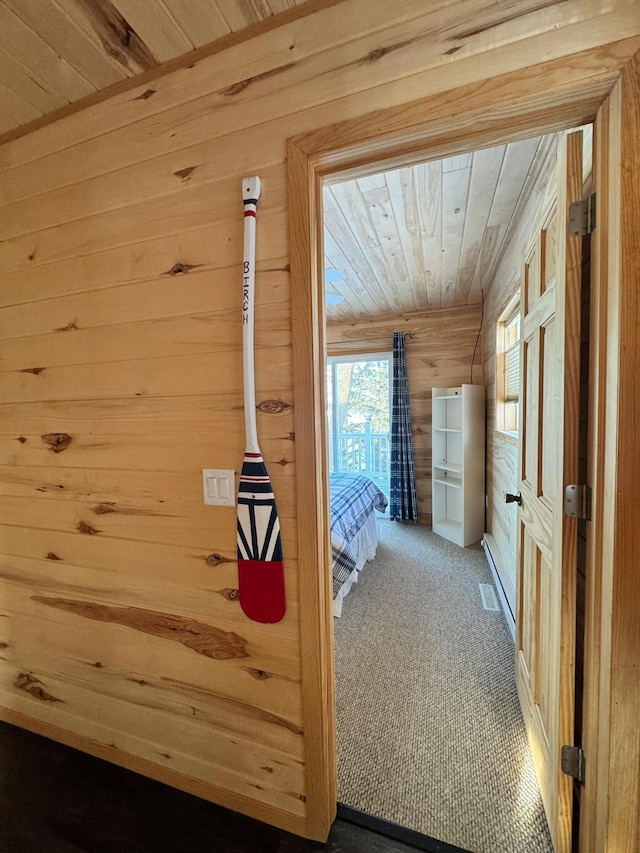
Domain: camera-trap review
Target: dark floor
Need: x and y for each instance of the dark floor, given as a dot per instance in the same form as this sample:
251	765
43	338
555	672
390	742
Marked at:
57	800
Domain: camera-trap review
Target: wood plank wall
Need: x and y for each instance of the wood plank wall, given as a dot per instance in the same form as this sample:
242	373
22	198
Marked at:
439	347
120	372
502	448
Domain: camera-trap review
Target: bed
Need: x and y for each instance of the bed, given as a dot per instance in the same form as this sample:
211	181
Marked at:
354	531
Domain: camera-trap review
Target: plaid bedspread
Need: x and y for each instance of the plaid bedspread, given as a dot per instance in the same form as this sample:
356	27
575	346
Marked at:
353	499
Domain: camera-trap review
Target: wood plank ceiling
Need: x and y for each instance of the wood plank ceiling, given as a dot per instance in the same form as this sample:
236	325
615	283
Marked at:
56	52
424	237
427	236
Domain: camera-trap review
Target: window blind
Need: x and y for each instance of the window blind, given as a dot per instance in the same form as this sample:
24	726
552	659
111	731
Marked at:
512	374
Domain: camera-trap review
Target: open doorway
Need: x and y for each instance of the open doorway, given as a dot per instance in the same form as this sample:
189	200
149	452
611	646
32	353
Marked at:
443	128
487	200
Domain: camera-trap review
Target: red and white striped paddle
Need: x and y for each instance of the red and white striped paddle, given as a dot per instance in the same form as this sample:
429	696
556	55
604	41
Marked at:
260	565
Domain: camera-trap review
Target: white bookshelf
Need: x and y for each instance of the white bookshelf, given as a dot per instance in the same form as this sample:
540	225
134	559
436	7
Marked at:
458	463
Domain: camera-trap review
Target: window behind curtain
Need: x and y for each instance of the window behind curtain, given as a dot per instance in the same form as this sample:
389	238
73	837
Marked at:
358	414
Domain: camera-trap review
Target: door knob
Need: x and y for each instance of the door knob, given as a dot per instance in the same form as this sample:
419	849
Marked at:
510	499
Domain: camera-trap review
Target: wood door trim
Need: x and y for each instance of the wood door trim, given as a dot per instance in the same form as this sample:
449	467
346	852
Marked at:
569	315
610	819
316	610
544	98
541	99
593	812
624	757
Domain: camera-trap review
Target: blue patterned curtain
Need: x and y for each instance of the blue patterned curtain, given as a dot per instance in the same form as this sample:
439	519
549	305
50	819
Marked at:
404	504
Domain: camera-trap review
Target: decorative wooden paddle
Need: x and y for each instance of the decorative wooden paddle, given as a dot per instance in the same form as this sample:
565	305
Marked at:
260	565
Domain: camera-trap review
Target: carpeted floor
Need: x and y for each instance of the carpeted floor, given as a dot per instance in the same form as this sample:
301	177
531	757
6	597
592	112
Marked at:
430	733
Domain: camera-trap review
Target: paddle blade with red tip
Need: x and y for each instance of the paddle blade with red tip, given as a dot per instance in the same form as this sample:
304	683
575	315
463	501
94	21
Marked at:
260	565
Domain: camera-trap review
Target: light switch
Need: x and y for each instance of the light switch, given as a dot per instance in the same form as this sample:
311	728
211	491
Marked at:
219	486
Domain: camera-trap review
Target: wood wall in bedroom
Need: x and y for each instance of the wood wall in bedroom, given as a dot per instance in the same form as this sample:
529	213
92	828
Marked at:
502	447
439	347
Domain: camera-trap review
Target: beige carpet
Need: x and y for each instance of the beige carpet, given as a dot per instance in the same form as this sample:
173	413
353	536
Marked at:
430	733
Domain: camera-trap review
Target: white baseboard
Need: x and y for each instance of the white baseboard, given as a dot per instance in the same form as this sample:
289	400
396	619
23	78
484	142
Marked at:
508	615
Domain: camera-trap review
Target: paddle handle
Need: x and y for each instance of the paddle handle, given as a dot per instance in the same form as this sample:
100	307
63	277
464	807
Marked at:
250	196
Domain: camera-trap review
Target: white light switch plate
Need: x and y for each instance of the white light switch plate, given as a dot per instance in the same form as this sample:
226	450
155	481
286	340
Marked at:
219	487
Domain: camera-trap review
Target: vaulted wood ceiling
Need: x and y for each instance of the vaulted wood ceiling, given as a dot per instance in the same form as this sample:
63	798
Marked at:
429	235
56	52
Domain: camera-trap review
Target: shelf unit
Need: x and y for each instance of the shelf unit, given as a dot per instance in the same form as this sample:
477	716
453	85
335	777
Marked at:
458	463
